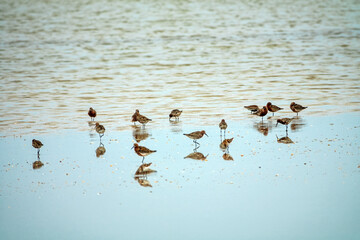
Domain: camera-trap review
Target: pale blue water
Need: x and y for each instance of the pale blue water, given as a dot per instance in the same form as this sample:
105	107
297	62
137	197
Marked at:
306	190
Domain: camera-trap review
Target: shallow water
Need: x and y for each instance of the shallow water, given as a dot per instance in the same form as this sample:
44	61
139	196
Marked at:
271	190
209	58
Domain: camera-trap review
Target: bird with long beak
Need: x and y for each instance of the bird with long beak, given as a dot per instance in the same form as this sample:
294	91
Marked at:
142	151
196	135
284	121
175	113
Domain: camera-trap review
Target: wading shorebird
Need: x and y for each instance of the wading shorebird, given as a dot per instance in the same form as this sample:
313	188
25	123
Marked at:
226	143
92	113
262	112
37	144
296	108
175	113
284	121
134	116
142	151
252	108
142	119
222	125
196	135
273	108
100	129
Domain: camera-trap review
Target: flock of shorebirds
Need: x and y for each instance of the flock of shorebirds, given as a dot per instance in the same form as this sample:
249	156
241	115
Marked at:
144	151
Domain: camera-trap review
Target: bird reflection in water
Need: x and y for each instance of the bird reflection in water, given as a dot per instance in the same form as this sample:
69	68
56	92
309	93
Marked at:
176	126
197	156
285	140
224	145
141	174
262	128
37	164
100	150
139	133
297	124
227	157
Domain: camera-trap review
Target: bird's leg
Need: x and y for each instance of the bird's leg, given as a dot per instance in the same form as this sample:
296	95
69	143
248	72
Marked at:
273	113
38	153
143	159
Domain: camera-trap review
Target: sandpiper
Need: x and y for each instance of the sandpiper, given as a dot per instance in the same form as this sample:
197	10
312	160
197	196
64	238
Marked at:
196	135
142	119
296	108
273	108
175	113
144	169
134	116
223	125
37	144
262	112
92	113
252	108
197	156
226	143
142	151
284	121
100	129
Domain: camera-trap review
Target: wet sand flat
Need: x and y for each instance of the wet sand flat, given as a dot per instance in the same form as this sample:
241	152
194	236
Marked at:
270	189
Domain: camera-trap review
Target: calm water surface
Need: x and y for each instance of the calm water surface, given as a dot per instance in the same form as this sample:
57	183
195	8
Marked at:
58	58
271	190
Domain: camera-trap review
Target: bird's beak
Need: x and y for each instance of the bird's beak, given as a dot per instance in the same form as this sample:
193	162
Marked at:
132	147
276	124
206	134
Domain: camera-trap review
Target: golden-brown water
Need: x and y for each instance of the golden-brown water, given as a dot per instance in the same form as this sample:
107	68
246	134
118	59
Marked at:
209	58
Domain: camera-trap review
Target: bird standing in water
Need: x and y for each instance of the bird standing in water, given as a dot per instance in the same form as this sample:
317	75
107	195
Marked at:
296	108
175	113
262	112
273	108
196	135
252	108
134	116
92	114
223	125
100	129
284	121
142	151
37	144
